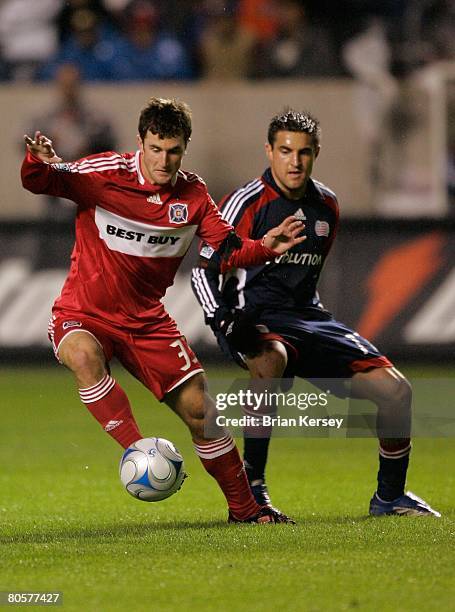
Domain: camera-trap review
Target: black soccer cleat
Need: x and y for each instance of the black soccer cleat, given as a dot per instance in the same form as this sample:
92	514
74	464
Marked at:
261	493
262	497
265	515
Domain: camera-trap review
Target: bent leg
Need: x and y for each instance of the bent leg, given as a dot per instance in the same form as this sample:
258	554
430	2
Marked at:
265	369
218	454
81	353
270	363
392	394
192	403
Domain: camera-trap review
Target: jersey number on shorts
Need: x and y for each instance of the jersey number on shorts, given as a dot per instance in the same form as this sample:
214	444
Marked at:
183	354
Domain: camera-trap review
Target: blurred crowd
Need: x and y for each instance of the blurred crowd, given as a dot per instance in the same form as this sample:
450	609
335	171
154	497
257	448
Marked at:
140	40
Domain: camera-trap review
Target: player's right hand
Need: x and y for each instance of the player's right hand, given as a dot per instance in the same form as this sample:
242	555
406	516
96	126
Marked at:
284	236
41	147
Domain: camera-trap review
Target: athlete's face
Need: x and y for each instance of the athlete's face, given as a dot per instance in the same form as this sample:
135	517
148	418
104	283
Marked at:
291	159
161	157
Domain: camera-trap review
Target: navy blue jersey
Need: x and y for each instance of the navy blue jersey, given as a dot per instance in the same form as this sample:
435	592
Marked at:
290	280
283	293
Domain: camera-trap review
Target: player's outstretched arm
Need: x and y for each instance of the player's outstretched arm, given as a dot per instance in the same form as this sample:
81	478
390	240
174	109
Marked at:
241	252
41	146
40	173
286	235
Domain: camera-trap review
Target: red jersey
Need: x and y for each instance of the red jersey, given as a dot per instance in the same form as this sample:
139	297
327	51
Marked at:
130	235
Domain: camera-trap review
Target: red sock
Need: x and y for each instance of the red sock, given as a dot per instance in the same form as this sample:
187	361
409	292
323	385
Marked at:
221	459
109	405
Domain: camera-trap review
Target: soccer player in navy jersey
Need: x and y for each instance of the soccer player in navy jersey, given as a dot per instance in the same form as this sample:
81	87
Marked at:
137	214
270	320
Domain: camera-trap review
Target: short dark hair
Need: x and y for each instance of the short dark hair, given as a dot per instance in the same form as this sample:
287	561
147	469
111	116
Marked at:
167	118
291	120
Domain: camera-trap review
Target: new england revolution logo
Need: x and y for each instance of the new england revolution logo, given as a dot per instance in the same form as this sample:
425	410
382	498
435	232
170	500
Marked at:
322	228
178	213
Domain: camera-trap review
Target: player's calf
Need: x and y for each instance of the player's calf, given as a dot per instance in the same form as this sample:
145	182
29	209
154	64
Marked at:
191	402
214	446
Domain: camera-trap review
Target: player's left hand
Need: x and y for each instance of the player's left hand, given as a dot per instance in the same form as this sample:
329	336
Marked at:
239	329
285	236
41	146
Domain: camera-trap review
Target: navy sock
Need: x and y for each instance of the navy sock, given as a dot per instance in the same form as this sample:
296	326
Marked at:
255	452
393	466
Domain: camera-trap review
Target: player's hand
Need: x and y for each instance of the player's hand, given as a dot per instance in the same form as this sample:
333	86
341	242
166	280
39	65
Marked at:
285	236
241	332
221	320
41	147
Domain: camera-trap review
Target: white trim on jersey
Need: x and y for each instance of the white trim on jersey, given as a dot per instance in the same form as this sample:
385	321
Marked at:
100	164
190	179
324	187
137	162
232	207
105	162
207	299
101	159
111	166
241	275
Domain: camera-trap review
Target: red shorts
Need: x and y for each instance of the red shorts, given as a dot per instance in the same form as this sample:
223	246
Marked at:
161	360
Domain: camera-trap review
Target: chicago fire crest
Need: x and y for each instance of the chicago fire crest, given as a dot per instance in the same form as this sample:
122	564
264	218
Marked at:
178	213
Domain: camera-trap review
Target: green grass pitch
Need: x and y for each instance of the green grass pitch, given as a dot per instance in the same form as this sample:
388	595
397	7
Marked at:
66	524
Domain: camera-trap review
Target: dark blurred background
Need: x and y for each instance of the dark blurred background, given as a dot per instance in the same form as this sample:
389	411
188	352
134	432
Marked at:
380	76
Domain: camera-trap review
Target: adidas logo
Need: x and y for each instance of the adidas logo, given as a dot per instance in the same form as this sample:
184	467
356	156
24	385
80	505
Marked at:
154	199
300	215
112	425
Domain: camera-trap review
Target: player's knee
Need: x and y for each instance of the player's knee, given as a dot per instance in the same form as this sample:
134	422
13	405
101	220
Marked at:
386	387
195	418
396	387
192	403
84	361
403	392
271	363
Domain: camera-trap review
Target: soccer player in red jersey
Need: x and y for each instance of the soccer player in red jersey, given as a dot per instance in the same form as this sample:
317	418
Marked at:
137	214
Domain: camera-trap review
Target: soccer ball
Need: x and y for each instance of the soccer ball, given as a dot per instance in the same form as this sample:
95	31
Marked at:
152	469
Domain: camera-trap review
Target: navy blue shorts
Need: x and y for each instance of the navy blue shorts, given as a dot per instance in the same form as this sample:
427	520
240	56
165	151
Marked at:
318	345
